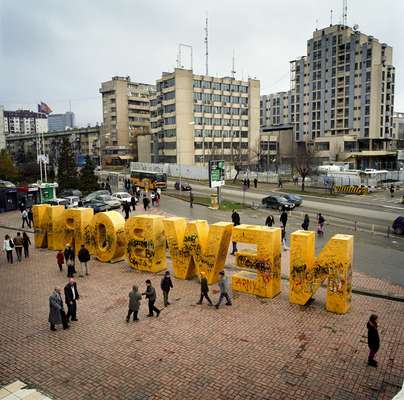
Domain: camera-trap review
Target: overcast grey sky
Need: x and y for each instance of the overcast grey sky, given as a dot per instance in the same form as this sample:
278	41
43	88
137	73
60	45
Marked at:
59	50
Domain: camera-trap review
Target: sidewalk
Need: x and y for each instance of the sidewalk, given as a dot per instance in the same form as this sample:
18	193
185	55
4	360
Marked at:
256	349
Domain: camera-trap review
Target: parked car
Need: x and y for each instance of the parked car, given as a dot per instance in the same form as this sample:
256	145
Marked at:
398	226
184	186
112	202
72	201
123	196
70	192
57	202
277	202
293	198
97	206
93	195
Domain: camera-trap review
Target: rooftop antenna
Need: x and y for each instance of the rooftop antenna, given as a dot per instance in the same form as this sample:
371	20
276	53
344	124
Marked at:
206	46
344	12
70	105
316	24
233	71
331	17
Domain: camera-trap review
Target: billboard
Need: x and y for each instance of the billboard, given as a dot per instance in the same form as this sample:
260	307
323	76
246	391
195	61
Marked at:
216	173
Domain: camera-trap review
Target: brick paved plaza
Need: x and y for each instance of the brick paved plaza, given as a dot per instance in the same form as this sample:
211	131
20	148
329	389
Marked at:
256	349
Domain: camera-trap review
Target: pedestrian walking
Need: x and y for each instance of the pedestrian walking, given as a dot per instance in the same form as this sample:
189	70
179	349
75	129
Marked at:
60	259
306	222
150	294
126	209
320	224
57	314
191	199
255	183
270	221
284	218
134	303
235	218
30	217
145	202
166	284
8	246
26	242
71	269
204	290
18	243
69	252
71	297
392	191
84	257
158	197
133	202
280	185
283	235
24	216
224	288
248	183
373	340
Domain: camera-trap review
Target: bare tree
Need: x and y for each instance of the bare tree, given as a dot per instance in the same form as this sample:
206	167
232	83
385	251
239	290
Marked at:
304	163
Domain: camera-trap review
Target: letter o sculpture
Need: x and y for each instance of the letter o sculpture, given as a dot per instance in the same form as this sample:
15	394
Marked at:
108	236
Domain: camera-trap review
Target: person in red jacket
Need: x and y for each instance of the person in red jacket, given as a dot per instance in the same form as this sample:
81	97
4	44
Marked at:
60	258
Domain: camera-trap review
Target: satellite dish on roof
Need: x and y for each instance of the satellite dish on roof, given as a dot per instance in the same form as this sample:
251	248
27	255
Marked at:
355	27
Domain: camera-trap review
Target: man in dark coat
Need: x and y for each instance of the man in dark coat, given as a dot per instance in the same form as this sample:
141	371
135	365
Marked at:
57	314
284	218
134	303
166	285
224	290
255	183
84	257
133	202
126	209
235	218
71	297
68	253
150	294
373	340
204	290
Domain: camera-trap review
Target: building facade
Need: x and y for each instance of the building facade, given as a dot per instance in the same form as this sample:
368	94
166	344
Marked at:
2	133
342	94
275	110
85	142
126	116
61	122
24	122
197	118
398	129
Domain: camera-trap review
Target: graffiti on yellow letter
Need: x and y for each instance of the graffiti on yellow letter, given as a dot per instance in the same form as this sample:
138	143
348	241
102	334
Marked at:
196	247
146	248
48	223
265	281
108	236
77	226
307	272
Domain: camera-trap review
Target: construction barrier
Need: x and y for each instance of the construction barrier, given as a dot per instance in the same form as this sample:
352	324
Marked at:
351	189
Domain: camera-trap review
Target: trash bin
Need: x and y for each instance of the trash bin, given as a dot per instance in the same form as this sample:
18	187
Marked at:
213	201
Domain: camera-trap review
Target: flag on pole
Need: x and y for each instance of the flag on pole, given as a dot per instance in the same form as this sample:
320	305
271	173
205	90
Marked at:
44	108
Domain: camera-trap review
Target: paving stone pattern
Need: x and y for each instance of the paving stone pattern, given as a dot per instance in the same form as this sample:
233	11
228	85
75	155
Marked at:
256	349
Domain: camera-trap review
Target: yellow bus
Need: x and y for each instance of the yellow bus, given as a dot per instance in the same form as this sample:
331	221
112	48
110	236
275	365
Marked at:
148	180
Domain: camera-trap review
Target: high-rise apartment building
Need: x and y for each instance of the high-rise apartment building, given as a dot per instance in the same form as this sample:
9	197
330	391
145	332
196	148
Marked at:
24	122
197	118
60	122
126	115
342	93
275	110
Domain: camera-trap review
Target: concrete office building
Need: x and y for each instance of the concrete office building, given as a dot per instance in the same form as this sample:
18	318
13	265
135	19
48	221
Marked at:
126	116
24	122
342	96
60	122
196	118
275	110
85	142
2	133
